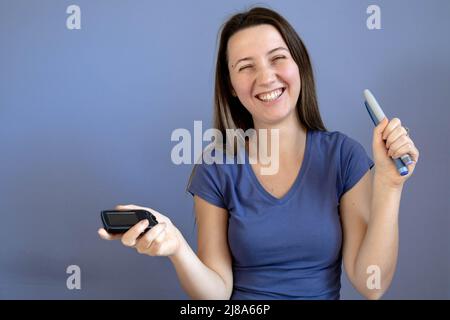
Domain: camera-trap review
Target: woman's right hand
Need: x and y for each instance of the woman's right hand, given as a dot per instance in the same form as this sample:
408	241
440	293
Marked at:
164	239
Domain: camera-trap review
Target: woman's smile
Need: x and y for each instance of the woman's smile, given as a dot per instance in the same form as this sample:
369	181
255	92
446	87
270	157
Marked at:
271	97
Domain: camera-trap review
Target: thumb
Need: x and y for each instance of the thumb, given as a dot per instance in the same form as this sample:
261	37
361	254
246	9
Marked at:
378	132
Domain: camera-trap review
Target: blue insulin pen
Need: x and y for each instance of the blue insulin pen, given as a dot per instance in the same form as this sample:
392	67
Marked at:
377	115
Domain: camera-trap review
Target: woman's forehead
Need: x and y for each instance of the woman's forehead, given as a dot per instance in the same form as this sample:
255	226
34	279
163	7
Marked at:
253	41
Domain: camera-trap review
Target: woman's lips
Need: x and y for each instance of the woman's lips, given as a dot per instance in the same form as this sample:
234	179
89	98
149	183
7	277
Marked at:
270	96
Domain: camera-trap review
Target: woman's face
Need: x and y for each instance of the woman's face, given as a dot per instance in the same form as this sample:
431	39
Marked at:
263	74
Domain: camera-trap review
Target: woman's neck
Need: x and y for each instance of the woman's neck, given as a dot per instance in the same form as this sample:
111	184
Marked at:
291	138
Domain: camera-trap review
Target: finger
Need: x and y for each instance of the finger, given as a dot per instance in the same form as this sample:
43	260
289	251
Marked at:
402	150
128	207
403	140
381	126
394	135
157	215
129	237
395	122
160	217
413	152
156	247
146	240
108	236
377	141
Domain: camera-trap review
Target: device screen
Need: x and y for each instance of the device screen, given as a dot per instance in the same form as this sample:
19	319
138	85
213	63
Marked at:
121	219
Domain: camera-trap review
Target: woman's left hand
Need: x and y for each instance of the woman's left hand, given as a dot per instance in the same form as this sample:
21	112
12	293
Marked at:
390	139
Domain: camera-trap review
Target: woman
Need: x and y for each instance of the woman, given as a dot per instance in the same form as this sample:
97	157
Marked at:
284	235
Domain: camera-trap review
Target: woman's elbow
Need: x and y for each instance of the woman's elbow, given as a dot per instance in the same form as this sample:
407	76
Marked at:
375	294
368	291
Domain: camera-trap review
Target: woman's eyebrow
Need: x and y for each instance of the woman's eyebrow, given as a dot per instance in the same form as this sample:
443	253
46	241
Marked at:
279	48
268	53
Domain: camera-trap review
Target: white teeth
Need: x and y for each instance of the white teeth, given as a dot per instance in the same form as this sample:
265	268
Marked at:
267	97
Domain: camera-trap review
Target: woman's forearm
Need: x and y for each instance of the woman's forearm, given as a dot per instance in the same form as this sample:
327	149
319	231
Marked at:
379	249
197	280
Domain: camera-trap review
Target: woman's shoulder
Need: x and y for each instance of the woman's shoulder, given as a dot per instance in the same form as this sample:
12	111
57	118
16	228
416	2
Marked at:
213	171
330	137
219	159
335	141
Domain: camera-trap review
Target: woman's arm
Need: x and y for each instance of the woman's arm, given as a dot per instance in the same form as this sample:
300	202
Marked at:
208	275
370	210
369	213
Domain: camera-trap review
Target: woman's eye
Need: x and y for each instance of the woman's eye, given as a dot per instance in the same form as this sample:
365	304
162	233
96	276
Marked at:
278	58
245	67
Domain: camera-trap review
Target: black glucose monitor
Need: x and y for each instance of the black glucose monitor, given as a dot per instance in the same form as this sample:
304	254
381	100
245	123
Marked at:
120	221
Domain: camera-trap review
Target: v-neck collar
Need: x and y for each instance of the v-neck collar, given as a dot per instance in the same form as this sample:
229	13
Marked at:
298	180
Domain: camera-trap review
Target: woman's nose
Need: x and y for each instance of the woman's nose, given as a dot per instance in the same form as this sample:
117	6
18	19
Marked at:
266	76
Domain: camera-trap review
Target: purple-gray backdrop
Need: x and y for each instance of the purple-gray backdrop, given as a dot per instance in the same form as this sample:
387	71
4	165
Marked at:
86	118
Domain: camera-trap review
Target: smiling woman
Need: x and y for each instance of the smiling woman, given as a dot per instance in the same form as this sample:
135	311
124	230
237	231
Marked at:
286	234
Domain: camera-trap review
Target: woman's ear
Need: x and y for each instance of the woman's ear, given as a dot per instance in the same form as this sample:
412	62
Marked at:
233	92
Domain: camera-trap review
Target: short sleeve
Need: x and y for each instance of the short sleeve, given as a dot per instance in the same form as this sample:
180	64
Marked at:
354	164
206	183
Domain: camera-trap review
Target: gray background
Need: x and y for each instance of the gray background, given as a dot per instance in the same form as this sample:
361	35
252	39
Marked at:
86	118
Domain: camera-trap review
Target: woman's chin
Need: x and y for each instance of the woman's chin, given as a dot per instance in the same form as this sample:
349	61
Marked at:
275	117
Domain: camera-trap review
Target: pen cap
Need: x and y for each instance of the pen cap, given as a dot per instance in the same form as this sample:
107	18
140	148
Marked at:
375	109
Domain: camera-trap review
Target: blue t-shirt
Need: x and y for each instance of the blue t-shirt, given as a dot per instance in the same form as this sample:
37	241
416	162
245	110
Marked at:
288	248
